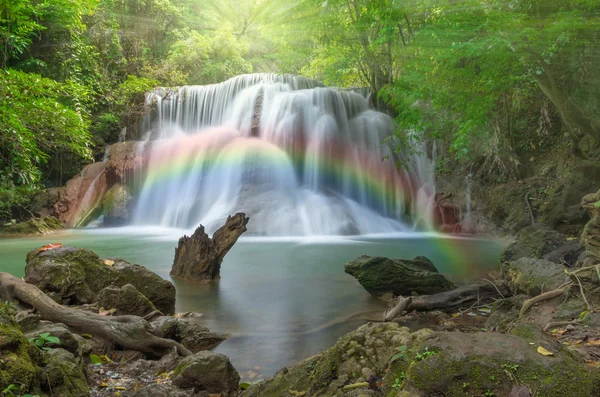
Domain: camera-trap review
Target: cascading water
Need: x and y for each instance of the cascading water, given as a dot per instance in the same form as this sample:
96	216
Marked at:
298	158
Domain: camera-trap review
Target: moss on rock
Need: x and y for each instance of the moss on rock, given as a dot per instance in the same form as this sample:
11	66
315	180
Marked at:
18	359
79	274
379	275
64	374
532	276
476	364
32	226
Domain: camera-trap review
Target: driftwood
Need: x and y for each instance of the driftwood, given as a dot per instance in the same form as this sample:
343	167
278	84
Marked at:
130	332
447	300
198	258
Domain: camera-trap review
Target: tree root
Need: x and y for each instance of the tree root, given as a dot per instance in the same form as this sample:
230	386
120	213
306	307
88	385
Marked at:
130	332
542	297
553	324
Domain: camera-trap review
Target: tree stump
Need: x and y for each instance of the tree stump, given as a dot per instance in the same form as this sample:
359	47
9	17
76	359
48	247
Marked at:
198	258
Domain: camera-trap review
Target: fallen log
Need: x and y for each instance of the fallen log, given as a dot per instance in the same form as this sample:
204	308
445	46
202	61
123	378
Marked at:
448	300
130	332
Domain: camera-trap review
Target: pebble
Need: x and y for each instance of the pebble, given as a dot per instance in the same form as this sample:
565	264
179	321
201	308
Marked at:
570	327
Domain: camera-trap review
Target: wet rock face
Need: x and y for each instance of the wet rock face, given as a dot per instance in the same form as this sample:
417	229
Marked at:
74	201
379	275
207	371
77	275
116	205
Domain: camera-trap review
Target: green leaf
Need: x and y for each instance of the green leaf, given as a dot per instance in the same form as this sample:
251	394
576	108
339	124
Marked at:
597	204
88	336
244	385
52	339
45	335
95	359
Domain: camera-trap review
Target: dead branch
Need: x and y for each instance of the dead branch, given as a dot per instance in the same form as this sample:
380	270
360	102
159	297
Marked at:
542	297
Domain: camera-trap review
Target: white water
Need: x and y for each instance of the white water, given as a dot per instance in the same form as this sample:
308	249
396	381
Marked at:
312	164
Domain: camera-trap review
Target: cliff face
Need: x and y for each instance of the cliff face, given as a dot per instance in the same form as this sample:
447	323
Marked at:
76	203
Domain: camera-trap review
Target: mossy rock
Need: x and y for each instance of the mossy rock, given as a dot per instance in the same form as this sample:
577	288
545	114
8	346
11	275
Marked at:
504	313
379	275
493	363
18	359
63	374
533	241
126	300
77	275
207	371
368	349
532	276
33	226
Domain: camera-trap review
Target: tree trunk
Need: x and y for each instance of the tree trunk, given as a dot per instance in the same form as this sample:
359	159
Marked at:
573	117
130	332
198	258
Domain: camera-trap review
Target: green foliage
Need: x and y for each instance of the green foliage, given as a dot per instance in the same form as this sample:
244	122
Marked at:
210	58
425	354
43	340
95	359
7	309
473	72
39	118
10	390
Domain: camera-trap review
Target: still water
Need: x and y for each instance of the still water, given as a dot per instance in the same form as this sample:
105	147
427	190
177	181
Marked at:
278	297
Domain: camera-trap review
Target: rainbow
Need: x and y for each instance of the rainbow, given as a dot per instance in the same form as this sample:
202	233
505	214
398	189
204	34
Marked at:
223	149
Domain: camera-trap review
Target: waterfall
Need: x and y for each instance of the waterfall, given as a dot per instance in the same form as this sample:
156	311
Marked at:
297	157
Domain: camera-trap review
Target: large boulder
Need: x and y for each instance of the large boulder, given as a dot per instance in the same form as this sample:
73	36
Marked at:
488	363
126	300
533	241
44	225
116	205
77	275
379	275
590	238
534	276
207	371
